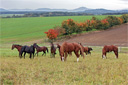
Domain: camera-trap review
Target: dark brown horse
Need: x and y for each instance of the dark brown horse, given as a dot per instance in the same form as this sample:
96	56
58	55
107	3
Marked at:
53	50
68	48
109	49
40	49
18	47
89	50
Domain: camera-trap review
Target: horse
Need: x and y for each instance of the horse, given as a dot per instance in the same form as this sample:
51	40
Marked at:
86	49
89	49
110	48
70	47
18	47
40	49
53	50
27	49
58	46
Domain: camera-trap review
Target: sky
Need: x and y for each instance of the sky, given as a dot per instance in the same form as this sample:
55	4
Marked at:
64	4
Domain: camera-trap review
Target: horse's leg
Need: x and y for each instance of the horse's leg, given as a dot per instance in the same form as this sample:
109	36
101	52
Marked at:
37	53
76	53
33	55
45	53
30	55
65	56
24	54
104	55
116	53
86	53
19	55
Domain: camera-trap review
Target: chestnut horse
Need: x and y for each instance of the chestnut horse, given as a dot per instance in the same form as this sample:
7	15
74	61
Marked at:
18	47
86	49
53	50
58	46
40	49
109	49
68	48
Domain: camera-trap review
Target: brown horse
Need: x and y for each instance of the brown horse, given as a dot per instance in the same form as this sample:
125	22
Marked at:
68	48
86	49
53	50
58	46
40	49
18	47
109	49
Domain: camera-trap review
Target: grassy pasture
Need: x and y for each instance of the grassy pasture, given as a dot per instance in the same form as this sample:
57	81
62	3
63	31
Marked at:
31	28
93	70
45	70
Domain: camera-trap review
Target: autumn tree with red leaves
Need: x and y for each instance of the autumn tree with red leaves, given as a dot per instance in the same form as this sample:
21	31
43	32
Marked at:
52	34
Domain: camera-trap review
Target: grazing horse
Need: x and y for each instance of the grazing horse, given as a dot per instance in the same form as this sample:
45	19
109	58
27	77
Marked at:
89	49
109	49
70	47
40	49
18	47
53	50
58	46
27	49
86	49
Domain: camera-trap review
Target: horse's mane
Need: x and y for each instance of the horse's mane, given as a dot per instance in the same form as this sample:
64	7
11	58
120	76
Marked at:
37	46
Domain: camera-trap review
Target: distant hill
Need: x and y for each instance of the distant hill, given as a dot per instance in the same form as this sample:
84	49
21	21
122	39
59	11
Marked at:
51	10
99	11
1	9
78	10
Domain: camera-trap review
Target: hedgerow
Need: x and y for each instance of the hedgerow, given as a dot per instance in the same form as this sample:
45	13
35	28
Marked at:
72	26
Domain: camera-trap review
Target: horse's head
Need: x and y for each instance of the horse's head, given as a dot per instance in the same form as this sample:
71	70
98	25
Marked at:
90	48
58	46
13	46
34	45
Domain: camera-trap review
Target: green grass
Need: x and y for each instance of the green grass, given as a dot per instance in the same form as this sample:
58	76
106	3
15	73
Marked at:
93	70
26	29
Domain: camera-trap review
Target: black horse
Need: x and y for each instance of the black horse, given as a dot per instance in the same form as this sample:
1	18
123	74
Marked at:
27	49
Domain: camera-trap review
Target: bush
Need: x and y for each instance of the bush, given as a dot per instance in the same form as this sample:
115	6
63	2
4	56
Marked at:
69	26
60	30
124	17
52	34
113	20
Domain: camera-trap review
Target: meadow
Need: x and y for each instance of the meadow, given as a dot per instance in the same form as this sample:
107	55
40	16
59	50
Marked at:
93	70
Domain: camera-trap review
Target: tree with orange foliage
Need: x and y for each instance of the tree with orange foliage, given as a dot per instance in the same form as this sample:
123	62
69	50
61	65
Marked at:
52	34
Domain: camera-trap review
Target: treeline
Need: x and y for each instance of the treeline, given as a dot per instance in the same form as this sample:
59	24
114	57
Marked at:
48	14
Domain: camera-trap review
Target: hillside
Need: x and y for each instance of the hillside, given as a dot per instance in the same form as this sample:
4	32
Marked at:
116	35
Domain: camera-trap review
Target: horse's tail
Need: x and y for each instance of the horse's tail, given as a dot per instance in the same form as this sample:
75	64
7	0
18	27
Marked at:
47	49
81	50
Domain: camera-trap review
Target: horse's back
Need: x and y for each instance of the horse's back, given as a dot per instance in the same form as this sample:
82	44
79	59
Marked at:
110	48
